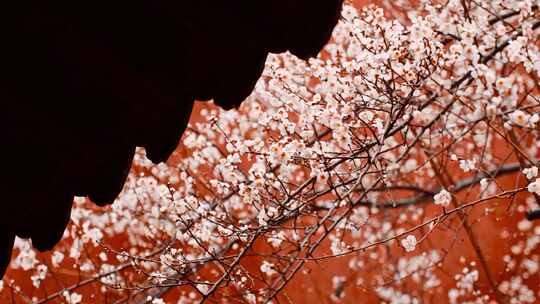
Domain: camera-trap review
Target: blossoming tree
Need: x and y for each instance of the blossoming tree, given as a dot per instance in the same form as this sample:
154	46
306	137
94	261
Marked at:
398	167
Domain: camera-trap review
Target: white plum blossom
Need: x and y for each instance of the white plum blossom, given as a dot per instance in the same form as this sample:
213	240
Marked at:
409	243
72	298
524	225
277	239
524	119
534	187
41	273
531	172
443	198
57	258
251	298
467	280
26	259
268	268
467	164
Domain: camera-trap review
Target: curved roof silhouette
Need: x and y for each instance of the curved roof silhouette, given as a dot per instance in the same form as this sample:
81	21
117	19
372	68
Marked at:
85	82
